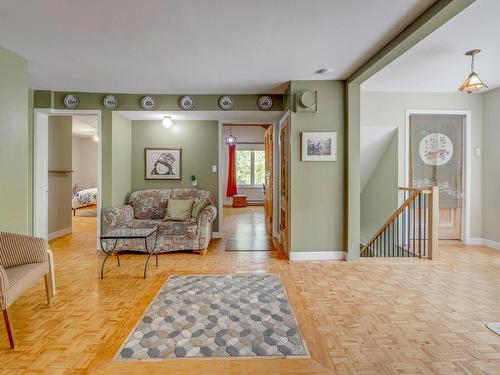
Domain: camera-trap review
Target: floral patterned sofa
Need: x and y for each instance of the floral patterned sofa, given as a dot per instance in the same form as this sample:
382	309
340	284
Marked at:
148	207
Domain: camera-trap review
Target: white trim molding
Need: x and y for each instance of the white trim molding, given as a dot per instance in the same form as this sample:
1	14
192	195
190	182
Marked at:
490	243
60	233
476	241
317	255
40	155
467	160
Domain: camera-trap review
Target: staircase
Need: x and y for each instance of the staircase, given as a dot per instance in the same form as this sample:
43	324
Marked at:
412	230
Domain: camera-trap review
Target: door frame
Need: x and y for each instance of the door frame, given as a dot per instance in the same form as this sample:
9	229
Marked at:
221	193
285	117
41	163
467	152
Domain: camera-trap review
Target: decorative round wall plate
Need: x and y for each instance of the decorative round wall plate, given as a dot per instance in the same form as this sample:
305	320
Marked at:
226	103
71	101
148	103
436	149
187	103
265	103
110	102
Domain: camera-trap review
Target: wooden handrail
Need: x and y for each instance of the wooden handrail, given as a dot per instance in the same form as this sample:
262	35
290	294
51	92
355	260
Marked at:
400	209
430	221
420	190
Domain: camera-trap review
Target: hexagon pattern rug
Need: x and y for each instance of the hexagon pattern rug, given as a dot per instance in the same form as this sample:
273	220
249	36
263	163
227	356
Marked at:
217	316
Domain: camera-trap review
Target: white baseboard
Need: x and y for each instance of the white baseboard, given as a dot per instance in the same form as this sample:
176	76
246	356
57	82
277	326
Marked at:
60	233
484	242
216	235
474	241
489	243
317	255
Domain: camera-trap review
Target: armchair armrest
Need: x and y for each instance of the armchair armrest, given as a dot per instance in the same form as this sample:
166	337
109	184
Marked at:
118	215
19	249
4	285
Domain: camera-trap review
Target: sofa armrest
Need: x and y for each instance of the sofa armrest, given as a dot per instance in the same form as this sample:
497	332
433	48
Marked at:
118	215
19	249
4	285
208	215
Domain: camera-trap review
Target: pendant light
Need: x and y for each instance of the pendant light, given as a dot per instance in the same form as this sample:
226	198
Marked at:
472	83
231	139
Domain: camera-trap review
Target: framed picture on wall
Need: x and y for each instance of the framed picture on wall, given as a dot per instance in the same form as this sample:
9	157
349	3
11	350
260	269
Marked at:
319	146
163	163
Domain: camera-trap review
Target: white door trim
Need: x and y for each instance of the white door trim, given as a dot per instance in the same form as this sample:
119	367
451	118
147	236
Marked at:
467	160
40	152
220	170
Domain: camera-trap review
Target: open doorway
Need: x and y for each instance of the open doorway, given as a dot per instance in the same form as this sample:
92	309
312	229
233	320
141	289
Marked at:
248	170
72	174
67	172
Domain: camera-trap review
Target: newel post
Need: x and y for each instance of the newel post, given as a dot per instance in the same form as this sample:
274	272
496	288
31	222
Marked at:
433	223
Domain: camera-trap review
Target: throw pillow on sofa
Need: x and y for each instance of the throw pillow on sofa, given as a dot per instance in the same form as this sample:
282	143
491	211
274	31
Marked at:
198	206
179	209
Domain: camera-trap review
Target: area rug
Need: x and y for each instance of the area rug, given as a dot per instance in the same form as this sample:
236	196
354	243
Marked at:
217	316
494	327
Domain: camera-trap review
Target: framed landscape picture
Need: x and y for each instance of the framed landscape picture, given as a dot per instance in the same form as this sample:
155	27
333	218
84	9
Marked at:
319	146
163	163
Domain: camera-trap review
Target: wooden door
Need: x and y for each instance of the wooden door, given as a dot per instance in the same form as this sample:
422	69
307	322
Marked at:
436	159
268	185
284	215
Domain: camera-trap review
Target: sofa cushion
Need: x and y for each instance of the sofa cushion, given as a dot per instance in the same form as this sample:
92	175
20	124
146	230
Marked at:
150	204
198	206
179	209
21	278
175	228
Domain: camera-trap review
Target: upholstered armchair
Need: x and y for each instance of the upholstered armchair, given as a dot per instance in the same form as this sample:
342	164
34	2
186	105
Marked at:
23	261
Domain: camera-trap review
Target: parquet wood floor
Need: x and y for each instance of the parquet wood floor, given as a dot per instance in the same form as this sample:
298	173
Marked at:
366	317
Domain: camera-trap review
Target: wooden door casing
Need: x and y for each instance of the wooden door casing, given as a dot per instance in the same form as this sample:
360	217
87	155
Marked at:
268	186
284	215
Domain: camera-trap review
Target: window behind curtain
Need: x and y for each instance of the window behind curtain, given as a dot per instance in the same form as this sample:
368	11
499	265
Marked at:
250	167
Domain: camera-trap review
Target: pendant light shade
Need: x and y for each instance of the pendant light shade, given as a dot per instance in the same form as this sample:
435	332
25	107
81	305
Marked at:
472	83
230	139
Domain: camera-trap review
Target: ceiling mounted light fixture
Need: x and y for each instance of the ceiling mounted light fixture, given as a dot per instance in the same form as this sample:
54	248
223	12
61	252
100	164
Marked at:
231	139
167	122
472	83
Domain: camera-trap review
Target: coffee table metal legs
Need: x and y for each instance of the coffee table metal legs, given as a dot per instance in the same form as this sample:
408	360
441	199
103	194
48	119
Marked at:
108	253
150	252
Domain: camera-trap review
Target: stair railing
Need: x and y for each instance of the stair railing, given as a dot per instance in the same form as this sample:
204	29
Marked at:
412	230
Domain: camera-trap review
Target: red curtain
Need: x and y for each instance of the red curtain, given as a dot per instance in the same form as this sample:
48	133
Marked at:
232	188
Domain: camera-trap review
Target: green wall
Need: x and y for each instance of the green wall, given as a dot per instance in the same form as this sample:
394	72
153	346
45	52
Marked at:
317	188
198	141
121	159
132	102
491	170
14	150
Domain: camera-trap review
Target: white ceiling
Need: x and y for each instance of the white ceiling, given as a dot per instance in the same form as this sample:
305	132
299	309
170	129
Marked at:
196	46
232	116
84	126
438	64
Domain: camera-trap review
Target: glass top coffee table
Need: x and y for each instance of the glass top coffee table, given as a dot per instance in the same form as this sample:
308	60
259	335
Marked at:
113	236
